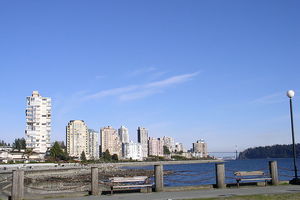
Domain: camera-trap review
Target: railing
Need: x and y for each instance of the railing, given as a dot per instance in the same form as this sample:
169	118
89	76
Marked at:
218	177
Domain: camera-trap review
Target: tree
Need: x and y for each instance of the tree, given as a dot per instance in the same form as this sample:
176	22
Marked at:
56	151
3	144
19	144
83	157
106	156
166	150
115	157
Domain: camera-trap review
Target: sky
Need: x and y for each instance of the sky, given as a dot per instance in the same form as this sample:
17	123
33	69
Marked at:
190	69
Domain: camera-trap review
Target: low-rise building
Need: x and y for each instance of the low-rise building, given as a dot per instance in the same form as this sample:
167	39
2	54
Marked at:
132	151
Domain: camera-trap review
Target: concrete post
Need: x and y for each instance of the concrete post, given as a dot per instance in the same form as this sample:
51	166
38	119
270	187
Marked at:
94	183
17	189
159	178
273	172
220	175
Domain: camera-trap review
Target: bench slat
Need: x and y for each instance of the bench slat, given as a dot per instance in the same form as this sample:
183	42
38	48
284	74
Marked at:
127	179
254	179
130	186
249	173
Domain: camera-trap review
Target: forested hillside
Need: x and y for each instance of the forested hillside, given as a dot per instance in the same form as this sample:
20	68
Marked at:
274	151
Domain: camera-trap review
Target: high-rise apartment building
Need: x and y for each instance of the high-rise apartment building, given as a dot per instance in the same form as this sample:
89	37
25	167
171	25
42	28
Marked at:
77	138
169	142
93	137
132	151
142	134
200	147
38	122
156	147
123	134
110	141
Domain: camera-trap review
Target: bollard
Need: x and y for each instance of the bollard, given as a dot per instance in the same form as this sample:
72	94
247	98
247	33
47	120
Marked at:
220	175
273	172
17	189
159	178
95	179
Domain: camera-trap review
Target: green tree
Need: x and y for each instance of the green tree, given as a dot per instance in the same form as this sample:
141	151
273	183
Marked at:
115	157
56	151
19	144
83	157
2	143
166	150
106	156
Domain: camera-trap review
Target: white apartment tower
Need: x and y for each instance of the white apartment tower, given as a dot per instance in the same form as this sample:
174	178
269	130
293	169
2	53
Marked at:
200	147
123	134
38	122
93	137
142	134
77	138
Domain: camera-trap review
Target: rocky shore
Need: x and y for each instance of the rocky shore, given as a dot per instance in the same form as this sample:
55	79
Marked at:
76	179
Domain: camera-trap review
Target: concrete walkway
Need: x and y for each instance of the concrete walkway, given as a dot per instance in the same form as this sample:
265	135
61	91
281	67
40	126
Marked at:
208	193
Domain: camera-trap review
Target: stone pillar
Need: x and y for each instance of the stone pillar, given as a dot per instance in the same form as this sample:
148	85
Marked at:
220	175
159	178
273	172
17	189
94	183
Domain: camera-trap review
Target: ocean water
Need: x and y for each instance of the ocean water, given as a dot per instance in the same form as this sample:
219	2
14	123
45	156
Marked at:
202	174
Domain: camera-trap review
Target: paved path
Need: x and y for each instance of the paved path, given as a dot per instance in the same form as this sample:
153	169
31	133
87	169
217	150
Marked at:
209	193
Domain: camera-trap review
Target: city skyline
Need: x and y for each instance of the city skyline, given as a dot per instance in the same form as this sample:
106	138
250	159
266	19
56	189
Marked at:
189	70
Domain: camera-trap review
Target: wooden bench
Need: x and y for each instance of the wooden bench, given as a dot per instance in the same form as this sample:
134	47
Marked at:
251	176
136	182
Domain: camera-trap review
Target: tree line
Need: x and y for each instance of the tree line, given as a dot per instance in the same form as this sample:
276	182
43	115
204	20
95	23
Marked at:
274	151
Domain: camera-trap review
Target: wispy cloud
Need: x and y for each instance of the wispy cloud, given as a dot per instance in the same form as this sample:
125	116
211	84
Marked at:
138	95
99	77
172	80
141	71
278	97
132	92
112	92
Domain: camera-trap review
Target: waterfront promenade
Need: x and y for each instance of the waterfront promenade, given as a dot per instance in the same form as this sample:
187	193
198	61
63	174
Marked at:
207	193
79	188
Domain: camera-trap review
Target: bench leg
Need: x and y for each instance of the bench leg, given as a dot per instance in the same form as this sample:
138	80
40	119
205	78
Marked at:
111	190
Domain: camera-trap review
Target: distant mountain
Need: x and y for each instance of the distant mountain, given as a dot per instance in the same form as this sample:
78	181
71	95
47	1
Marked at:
274	151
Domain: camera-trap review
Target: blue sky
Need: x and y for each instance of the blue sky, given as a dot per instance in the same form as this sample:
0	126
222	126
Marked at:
216	70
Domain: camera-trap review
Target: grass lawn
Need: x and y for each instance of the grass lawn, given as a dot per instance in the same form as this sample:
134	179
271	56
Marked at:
292	196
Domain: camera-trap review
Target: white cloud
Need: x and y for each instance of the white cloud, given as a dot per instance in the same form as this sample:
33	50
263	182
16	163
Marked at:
141	71
111	92
138	95
270	99
172	80
140	91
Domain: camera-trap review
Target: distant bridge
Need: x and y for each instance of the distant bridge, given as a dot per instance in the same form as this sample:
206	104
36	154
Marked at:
232	154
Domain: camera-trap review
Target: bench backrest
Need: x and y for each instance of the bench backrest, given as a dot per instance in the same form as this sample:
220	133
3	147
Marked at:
127	179
249	173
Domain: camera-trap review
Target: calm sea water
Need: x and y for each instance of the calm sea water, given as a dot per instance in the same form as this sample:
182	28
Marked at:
201	174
